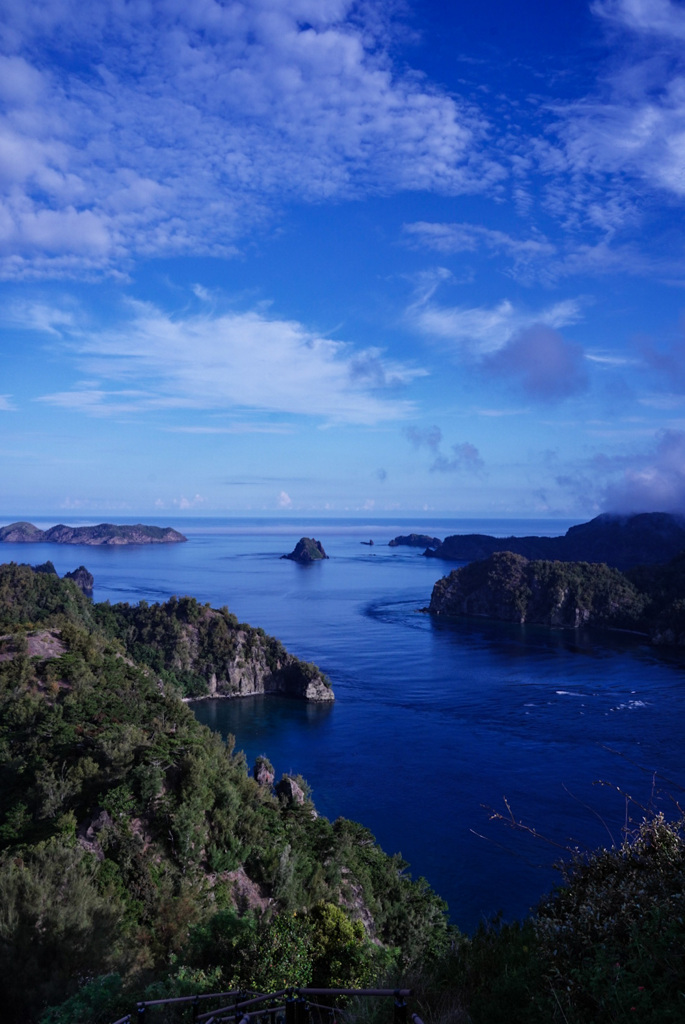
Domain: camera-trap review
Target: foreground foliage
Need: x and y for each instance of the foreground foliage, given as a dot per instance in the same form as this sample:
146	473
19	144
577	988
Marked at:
133	842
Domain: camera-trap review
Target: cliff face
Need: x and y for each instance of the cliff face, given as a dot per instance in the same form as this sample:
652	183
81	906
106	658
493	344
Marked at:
509	588
619	541
208	652
104	533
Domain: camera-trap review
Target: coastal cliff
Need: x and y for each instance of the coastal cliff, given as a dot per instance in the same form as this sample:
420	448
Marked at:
621	541
102	534
209	653
510	588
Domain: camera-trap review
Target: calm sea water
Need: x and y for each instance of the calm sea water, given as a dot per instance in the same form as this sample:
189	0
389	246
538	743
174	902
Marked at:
436	725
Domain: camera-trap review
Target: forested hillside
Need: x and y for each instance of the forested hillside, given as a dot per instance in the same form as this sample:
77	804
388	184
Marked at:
139	858
134	841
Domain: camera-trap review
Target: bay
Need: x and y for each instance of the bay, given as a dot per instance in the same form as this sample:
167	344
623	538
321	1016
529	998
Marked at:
434	723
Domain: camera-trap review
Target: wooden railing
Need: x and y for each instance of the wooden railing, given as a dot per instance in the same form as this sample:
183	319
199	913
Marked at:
286	1006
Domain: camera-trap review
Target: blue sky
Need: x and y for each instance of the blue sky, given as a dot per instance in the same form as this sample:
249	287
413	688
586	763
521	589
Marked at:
324	256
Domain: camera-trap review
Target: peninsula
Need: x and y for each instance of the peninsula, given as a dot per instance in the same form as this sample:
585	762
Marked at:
509	588
618	540
94	536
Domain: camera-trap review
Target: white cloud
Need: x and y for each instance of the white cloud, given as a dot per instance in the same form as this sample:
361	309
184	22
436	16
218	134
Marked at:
658	17
284	500
181	125
6	404
480	330
634	126
235	361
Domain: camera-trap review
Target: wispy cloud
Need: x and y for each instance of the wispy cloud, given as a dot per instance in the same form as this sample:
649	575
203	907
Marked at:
6	404
480	330
528	255
634	126
235	361
180	126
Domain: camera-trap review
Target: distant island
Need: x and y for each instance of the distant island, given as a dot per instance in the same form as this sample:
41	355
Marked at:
95	536
307	550
621	541
415	540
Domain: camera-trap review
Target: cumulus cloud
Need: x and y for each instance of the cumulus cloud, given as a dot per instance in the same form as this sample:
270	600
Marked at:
284	500
548	366
234	361
182	125
653	481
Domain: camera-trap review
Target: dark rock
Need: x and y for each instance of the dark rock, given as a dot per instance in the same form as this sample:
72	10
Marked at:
307	550
621	541
415	540
289	791
263	771
83	579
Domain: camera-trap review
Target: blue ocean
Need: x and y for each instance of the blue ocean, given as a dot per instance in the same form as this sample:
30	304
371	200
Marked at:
452	742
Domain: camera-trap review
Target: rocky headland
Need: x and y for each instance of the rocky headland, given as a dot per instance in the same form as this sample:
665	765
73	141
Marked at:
621	541
103	533
509	588
306	551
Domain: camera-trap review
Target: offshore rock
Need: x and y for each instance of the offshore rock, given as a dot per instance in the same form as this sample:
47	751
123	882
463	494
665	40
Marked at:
307	550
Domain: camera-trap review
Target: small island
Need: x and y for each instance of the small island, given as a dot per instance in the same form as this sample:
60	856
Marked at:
306	551
94	536
415	540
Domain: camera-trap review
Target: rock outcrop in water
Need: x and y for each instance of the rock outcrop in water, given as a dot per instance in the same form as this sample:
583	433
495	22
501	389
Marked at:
307	550
94	536
621	541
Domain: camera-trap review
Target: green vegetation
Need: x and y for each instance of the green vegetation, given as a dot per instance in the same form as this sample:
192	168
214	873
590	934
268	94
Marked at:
134	843
648	599
138	859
